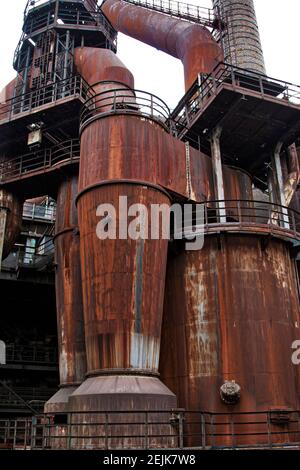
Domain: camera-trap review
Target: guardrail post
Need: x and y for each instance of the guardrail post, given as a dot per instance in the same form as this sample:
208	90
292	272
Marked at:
106	431
280	185
70	430
146	430
180	429
239	212
203	431
269	430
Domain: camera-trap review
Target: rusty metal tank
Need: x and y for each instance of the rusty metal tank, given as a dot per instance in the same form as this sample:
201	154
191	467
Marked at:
122	278
70	324
11	210
231	314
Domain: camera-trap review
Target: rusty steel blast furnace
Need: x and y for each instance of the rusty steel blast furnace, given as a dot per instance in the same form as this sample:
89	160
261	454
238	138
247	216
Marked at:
159	346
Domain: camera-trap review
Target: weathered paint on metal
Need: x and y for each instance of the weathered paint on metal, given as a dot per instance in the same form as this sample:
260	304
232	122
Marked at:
123	309
97	65
232	313
70	324
191	43
119	147
12	206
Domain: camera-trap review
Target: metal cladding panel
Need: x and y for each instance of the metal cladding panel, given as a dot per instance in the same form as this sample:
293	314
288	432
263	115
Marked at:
129	147
231	313
191	43
13	207
123	285
72	356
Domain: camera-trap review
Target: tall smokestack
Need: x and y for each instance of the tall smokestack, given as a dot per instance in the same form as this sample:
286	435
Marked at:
242	45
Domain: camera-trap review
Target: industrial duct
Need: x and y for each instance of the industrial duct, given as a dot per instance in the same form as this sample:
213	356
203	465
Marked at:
191	43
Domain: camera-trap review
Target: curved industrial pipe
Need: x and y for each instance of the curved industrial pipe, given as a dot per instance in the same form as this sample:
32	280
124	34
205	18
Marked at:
97	65
191	43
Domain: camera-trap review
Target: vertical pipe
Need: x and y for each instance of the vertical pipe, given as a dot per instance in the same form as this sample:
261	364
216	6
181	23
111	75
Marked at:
218	173
280	185
3	216
72	357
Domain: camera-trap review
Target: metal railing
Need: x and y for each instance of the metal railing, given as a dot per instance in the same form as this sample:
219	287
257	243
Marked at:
193	13
125	101
27	394
40	160
31	4
208	85
243	215
18	353
177	429
39	212
54	92
38	257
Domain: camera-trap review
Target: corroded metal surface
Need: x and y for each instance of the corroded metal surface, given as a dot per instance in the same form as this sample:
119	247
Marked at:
123	286
72	356
97	65
242	44
12	207
232	313
191	43
5	95
119	147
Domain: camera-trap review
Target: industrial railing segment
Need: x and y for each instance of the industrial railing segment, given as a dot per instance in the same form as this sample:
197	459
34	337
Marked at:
70	17
125	101
177	429
31	4
52	93
208	85
35	354
28	394
243	215
39	212
40	160
37	257
194	13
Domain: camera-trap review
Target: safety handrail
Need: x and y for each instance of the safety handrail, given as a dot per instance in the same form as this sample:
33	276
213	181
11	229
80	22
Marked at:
125	101
242	214
208	85
34	162
53	92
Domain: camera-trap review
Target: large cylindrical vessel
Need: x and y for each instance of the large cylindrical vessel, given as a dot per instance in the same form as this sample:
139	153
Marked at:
70	325
123	276
242	45
11	210
232	314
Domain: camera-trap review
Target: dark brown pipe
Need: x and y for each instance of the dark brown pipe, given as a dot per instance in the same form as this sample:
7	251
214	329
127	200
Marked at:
70	325
11	220
191	43
97	65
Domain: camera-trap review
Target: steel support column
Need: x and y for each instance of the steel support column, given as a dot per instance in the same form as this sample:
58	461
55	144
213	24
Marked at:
218	172
3	216
280	184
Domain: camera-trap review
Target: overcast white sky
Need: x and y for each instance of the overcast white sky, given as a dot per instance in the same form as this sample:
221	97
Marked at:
160	74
